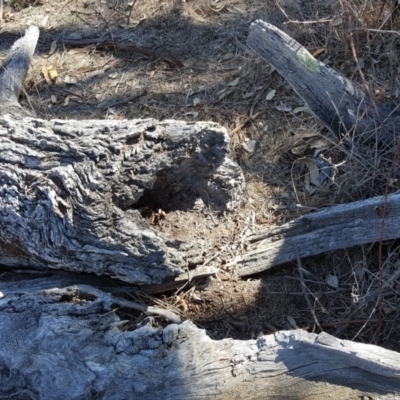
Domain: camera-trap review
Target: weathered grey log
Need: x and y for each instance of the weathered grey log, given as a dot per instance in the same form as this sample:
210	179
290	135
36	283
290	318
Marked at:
69	193
14	70
332	228
70	190
56	344
342	106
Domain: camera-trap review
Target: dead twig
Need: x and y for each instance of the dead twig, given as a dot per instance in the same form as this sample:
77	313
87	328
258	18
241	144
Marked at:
304	290
291	21
130	12
124	101
92	291
243	124
66	4
106	44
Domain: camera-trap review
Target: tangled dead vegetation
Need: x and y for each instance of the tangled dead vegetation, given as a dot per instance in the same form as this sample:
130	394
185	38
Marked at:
351	293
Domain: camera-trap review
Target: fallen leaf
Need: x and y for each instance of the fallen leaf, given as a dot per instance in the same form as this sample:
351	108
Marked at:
300	109
53	47
332	281
249	145
319	172
66	101
53	99
299	150
69	80
53	73
292	322
196	101
234	82
283	107
227	56
318	52
193	114
50	74
312	176
46	75
337	21
271	94
224	93
248	94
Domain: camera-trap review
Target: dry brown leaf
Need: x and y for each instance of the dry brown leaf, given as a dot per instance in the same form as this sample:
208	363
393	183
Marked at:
50	74
319	51
53	73
46	75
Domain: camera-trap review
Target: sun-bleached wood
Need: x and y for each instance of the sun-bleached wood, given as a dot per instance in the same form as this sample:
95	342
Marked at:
340	104
332	228
70	198
65	345
71	191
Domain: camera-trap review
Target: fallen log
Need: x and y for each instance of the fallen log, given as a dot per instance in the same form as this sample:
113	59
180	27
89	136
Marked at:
332	228
13	73
70	193
66	344
71	190
346	110
341	105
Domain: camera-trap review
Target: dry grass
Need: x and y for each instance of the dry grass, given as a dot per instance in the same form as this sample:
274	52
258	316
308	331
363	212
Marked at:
224	82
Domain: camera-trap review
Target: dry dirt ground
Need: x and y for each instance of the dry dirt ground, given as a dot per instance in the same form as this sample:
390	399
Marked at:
352	293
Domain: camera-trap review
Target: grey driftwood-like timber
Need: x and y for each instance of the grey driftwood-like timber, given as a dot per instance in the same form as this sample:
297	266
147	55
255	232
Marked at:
69	197
70	190
342	106
332	228
57	344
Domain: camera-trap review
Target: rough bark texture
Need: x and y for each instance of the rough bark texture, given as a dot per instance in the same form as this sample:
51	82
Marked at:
69	198
336	101
69	190
58	345
332	228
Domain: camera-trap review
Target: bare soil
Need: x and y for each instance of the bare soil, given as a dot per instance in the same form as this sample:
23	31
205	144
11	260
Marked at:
352	293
